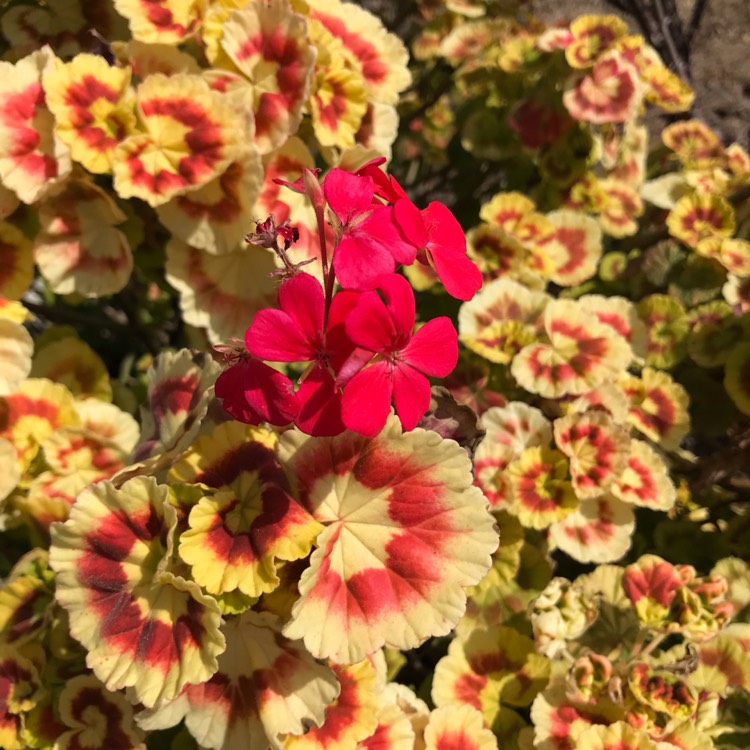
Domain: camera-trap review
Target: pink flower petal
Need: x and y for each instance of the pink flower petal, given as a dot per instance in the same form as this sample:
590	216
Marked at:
411	395
275	336
380	227
348	195
434	348
459	274
253	392
447	252
369	324
401	305
410	222
320	400
367	400
303	299
359	264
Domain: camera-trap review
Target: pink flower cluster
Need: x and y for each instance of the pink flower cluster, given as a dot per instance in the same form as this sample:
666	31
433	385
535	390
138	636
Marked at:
358	345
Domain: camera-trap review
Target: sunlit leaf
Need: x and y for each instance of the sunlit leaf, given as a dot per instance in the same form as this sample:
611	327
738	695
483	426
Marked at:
658	406
190	135
457	726
16	348
162	21
96	718
269	45
33	159
379	55
597	447
94	108
392	561
79	249
143	626
541	491
266	685
581	353
180	386
599	531
351	718
221	293
591	36
510	430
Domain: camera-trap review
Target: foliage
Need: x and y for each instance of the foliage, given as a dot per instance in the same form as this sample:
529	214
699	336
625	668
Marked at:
289	460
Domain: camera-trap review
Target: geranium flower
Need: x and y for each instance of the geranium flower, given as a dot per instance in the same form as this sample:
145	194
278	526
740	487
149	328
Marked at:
385	328
253	392
299	332
438	235
370	244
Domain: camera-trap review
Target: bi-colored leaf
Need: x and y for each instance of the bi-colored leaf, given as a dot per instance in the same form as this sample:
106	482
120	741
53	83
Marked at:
611	92
79	249
16	348
96	718
76	365
162	21
620	735
489	668
645	481
591	36
394	558
268	43
501	319
597	447
143	626
379	55
541	492
574	250
457	727
265	686
581	354
235	535
351	718
33	159
658	406
189	135
599	530
667	327
693	141
180	386
94	108
29	415
699	216
338	100
216	217
509	431
17	270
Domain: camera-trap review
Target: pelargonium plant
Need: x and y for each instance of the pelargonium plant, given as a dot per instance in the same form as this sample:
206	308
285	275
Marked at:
353	401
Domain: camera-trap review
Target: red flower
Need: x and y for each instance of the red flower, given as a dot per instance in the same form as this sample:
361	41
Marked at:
400	372
253	392
370	244
437	233
298	332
